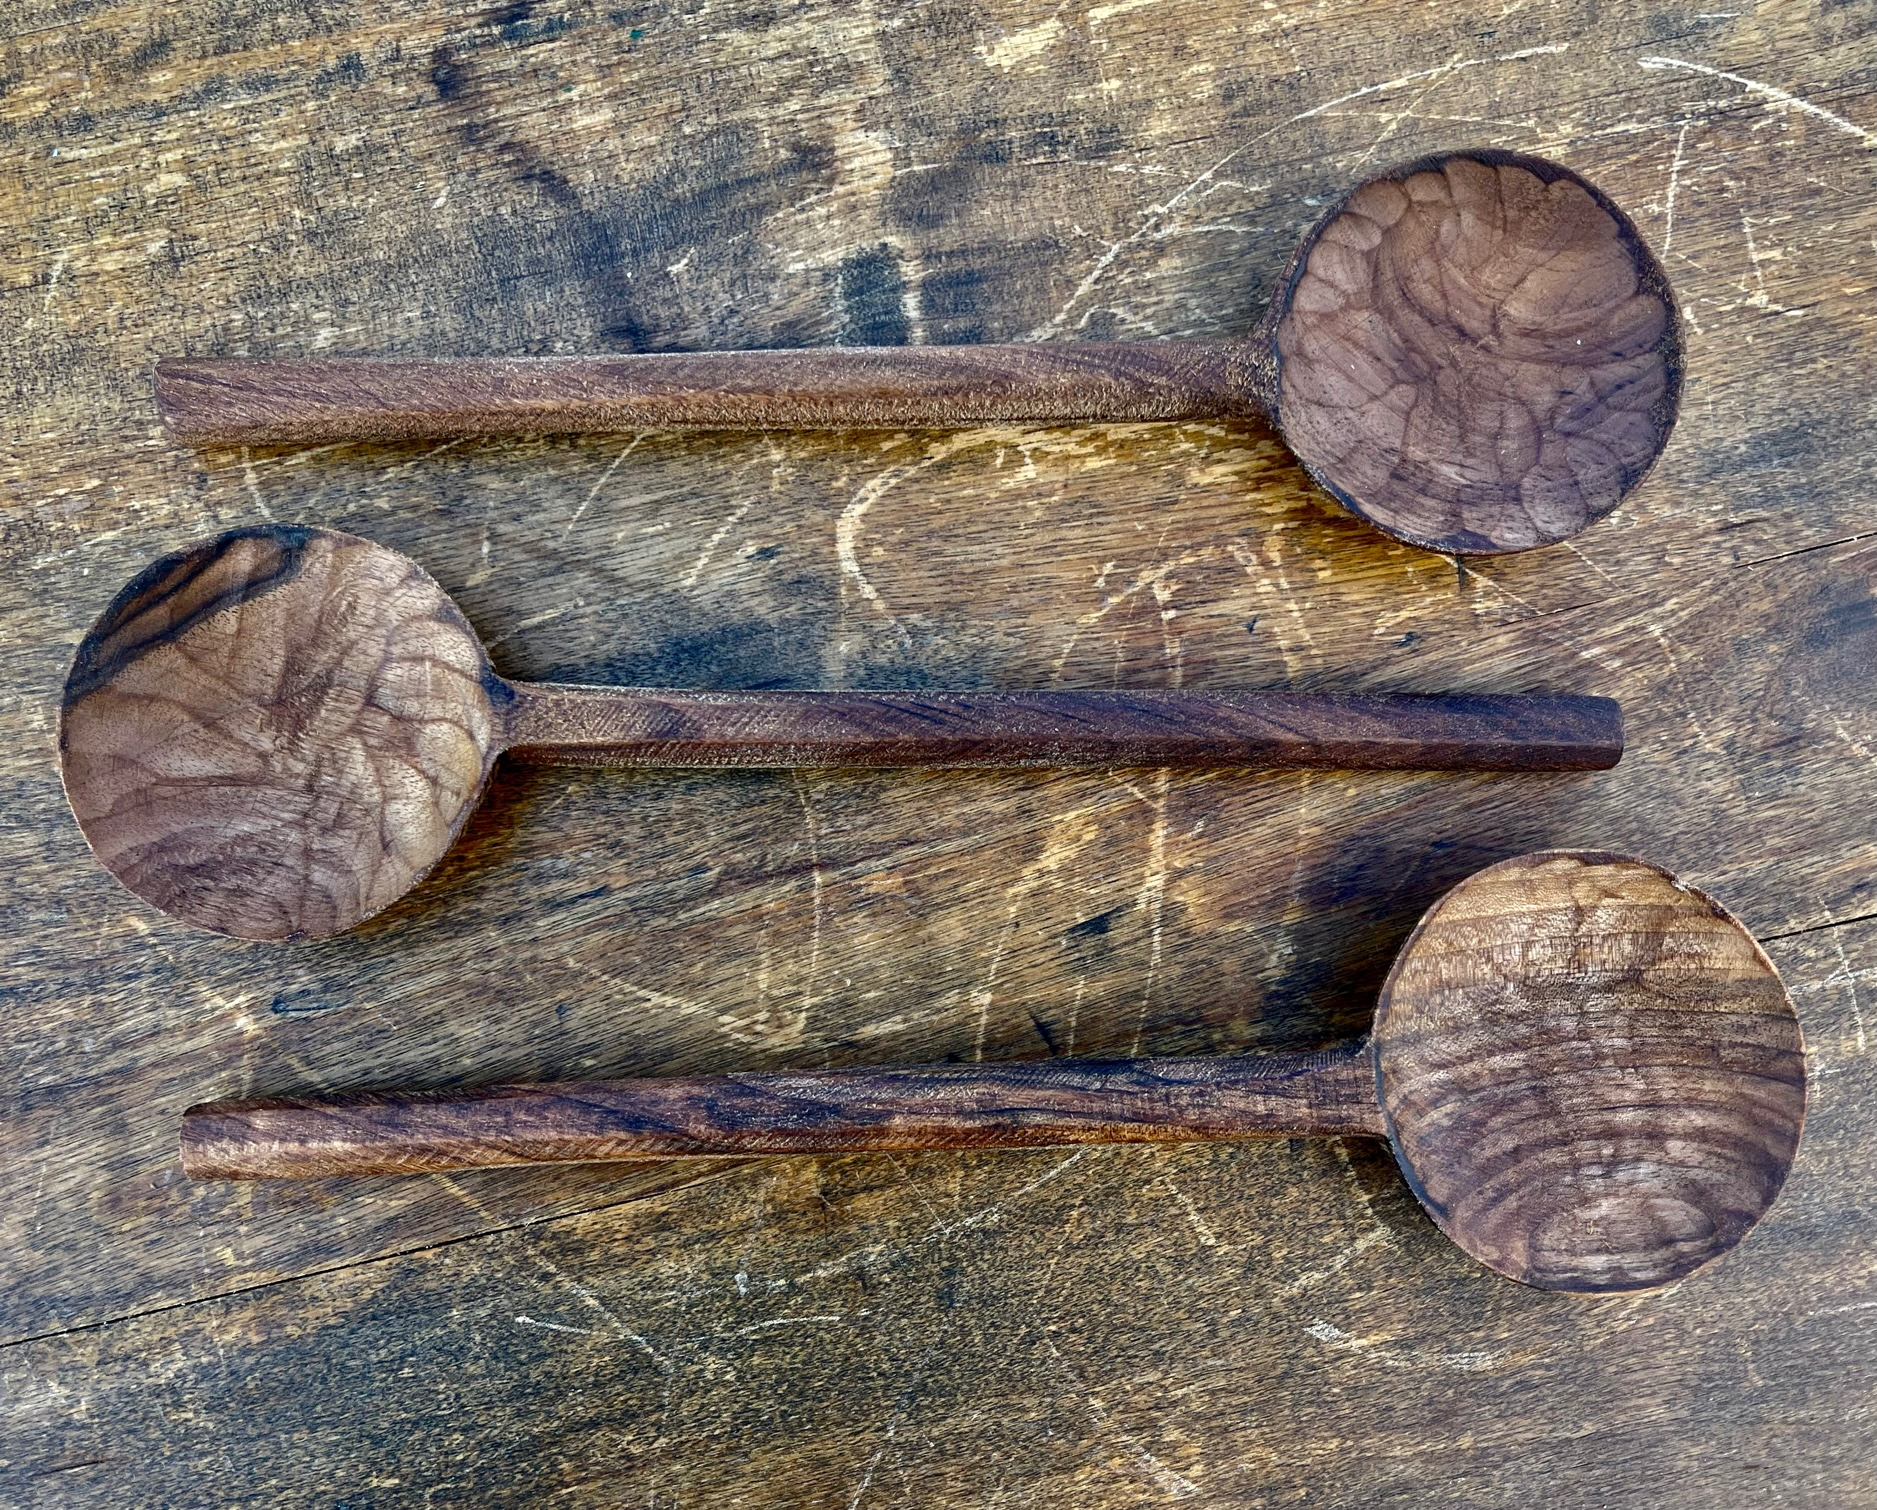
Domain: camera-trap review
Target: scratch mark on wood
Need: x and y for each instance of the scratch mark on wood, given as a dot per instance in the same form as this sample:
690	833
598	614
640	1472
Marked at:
1394	120
553	1326
253	484
847	527
1152	898
1377	1351
1170	1483
1199	1223
806	796
710	545
1768	92
605	477
901	1407
417	461
1426	73
1674	185
1311	1278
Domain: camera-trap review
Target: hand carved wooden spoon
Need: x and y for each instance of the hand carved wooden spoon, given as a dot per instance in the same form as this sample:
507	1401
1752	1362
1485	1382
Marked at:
279	731
1590	1074
1474	352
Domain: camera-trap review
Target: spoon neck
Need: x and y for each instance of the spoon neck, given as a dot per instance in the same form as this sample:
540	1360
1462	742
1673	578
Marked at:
1038	1103
243	401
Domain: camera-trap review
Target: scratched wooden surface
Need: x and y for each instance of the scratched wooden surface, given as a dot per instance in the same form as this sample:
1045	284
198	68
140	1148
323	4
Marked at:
1237	1325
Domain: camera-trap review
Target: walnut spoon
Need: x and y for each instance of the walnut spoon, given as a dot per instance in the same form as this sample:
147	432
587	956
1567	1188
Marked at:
278	732
1589	1072
1475	352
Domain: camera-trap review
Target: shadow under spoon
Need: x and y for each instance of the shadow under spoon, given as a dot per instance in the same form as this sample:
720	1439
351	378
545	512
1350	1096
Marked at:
1589	1072
1475	352
278	732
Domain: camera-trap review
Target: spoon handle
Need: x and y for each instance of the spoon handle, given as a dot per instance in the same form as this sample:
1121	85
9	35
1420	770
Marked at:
243	401
631	726
1058	1101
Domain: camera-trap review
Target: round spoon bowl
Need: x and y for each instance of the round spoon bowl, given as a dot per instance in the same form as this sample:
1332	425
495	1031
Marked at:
1591	1074
1475	352
276	733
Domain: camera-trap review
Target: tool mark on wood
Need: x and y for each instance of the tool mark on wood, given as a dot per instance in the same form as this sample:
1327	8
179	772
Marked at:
1379	1351
847	527
1060	845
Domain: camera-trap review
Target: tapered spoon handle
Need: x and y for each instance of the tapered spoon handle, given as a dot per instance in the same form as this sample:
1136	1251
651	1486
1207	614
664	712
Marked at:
826	1111
652	727
241	401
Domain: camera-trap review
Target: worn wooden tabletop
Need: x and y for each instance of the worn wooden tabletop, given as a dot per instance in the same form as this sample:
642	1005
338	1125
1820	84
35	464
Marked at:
1258	1324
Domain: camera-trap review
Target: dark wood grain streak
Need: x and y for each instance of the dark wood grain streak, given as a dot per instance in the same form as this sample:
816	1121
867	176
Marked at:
1473	351
278	732
829	1111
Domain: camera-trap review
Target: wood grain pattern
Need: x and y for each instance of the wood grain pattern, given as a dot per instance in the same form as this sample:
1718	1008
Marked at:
1270	730
833	1111
208	401
1591	1074
278	732
1473	351
1478	353
1268	1322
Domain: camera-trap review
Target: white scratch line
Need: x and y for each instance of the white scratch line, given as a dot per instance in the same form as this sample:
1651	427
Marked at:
1674	183
418	461
1155	215
1336	1337
763	1326
814	861
545	617
993	1212
552	1326
1767	91
1312	1277
873	1462
1425	73
710	545
52	282
605	477
1173	1484
1152	898
254	484
1862	1305
901	1408
847	535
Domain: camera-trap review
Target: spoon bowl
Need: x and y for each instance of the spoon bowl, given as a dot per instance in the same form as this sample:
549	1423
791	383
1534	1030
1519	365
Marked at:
1475	352
1589	1072
278	732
